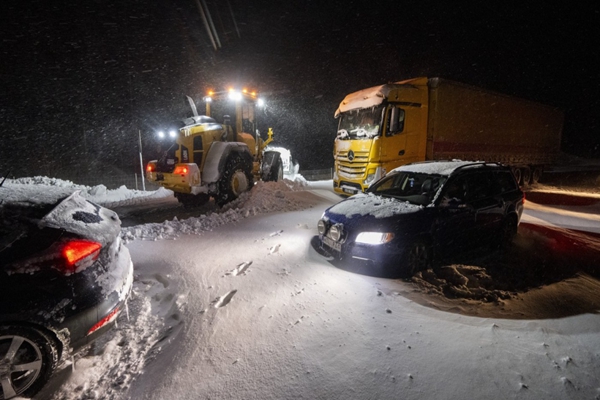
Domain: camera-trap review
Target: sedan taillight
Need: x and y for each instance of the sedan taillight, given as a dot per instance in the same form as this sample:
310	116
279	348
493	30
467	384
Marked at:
80	253
106	320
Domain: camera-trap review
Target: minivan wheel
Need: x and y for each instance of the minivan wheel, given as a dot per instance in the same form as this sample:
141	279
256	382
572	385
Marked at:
418	258
507	233
28	358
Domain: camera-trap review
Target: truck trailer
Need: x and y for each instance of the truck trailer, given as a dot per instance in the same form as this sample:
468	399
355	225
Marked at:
420	119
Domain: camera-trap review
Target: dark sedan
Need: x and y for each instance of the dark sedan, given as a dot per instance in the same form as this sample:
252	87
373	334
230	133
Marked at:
423	210
65	276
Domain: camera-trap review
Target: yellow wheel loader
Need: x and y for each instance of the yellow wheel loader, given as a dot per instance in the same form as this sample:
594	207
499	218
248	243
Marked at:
220	160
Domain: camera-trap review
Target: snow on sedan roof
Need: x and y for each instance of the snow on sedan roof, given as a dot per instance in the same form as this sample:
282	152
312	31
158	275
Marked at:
435	167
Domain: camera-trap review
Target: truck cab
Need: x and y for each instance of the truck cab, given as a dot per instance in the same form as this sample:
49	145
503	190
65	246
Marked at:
379	129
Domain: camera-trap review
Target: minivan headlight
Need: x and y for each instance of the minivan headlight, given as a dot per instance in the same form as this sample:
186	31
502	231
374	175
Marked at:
335	232
321	227
374	237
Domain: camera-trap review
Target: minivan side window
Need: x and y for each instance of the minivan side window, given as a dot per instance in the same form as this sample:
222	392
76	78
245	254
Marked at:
479	185
454	191
504	182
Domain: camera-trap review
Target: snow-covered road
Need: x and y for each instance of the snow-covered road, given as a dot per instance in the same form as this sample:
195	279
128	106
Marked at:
238	305
292	325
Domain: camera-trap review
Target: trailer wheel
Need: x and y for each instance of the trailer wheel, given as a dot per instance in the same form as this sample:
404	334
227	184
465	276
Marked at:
236	179
536	175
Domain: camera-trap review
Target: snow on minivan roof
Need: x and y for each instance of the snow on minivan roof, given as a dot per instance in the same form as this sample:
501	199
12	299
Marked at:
436	167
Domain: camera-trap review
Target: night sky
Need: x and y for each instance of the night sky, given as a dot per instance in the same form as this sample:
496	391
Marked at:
80	79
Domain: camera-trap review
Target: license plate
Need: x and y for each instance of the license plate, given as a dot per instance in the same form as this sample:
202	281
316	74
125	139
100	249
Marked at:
350	191
337	246
170	161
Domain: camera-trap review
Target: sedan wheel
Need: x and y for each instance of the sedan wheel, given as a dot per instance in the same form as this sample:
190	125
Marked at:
27	359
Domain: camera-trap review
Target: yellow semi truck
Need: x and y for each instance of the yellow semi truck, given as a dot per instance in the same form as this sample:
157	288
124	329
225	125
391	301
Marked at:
419	119
221	160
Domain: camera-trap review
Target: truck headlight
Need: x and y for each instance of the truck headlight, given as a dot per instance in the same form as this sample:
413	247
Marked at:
374	237
373	175
369	179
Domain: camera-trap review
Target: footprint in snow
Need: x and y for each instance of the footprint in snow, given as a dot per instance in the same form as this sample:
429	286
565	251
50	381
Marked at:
278	233
225	299
274	249
240	269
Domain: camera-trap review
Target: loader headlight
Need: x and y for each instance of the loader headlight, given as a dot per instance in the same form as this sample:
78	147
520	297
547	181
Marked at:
160	134
172	133
235	95
374	237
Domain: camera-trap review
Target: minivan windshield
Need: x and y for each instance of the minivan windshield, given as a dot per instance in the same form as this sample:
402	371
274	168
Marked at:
416	188
360	124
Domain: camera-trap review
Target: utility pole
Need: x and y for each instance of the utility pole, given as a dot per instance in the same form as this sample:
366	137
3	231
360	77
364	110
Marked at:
141	161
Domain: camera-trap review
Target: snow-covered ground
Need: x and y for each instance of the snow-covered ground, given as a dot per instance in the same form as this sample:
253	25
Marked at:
237	304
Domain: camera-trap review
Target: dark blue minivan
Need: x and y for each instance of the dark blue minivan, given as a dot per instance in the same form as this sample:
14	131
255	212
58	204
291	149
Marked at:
422	210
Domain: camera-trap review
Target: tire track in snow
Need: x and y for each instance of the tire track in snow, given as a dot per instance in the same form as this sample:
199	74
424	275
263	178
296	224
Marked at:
240	269
225	299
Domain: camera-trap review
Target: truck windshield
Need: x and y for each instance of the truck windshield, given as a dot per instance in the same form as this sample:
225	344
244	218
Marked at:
360	124
416	188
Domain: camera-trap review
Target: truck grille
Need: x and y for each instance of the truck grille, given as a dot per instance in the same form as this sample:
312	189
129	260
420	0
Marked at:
354	169
359	156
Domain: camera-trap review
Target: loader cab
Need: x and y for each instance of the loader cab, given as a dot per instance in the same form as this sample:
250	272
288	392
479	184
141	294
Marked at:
236	108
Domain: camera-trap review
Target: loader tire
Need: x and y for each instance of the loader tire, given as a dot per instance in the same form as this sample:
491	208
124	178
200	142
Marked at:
273	173
276	172
236	179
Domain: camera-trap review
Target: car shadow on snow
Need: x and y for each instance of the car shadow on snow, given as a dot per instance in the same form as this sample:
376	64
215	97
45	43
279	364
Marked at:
548	272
